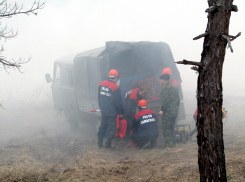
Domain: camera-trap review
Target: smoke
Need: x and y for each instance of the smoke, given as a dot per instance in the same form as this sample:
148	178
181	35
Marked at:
64	27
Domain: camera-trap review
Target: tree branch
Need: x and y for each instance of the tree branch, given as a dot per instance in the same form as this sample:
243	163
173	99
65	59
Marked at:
9	10
234	37
195	68
185	62
210	9
228	41
200	36
234	8
230	38
12	64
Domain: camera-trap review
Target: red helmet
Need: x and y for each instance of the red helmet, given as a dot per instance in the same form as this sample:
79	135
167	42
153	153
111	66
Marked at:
142	103
167	71
113	73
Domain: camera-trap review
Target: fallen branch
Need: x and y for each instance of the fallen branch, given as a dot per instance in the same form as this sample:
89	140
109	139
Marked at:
146	145
189	63
200	36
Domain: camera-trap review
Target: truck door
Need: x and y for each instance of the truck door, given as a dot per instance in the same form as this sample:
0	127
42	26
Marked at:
64	93
68	93
56	89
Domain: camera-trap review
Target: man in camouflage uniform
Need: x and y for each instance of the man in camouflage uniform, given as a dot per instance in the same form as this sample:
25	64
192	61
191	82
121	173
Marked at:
169	109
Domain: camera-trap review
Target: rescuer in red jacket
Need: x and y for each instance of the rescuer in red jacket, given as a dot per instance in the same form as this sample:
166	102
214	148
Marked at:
131	101
145	128
111	105
172	81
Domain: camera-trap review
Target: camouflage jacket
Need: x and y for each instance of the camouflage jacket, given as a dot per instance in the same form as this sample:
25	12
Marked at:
170	101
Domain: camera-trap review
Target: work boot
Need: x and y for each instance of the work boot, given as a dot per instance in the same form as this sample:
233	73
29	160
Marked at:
100	142
108	145
153	144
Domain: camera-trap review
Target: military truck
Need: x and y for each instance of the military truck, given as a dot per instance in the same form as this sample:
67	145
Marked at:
76	77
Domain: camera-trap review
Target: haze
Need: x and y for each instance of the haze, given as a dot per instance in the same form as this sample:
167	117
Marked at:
36	143
64	27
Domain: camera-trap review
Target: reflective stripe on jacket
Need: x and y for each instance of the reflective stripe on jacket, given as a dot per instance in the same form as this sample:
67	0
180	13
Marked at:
145	125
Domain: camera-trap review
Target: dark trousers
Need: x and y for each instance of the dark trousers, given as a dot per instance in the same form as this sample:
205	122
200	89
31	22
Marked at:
143	139
108	127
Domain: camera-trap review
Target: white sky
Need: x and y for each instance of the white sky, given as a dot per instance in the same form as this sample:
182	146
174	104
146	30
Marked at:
67	26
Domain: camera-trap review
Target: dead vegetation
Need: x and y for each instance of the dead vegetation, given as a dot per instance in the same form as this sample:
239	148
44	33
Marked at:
45	151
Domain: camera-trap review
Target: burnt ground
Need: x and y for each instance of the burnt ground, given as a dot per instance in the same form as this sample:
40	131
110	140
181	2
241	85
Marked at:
36	146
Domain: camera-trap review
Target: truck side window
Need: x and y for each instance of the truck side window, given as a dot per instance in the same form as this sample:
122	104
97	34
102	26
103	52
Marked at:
66	76
63	75
57	74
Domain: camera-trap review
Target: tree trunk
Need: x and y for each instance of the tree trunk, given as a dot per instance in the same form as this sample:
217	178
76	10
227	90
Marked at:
211	156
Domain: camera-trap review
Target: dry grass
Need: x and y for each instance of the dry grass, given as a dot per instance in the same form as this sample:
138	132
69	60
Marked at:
48	153
146	165
20	173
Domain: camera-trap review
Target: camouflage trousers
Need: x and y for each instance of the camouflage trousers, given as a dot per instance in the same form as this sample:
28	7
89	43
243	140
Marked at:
168	130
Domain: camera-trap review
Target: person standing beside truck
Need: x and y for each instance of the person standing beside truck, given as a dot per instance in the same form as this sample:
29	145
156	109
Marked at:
111	105
169	109
131	101
145	128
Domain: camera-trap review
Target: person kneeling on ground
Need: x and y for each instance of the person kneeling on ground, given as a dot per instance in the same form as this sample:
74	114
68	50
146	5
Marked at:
145	127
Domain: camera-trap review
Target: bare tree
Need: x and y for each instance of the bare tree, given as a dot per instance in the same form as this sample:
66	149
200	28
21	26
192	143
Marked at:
211	156
7	10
